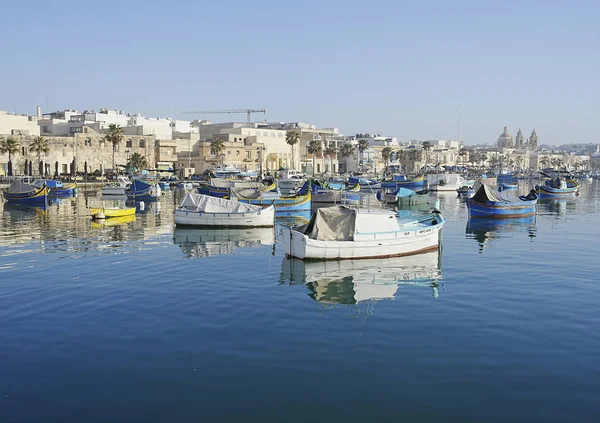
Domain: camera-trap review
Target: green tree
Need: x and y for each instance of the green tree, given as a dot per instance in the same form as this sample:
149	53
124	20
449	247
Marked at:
138	161
217	147
114	135
386	154
314	147
426	146
330	151
292	138
39	145
346	151
362	146
9	145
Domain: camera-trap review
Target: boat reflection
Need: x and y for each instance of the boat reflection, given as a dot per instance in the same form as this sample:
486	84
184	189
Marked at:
356	281
483	230
556	206
196	243
113	221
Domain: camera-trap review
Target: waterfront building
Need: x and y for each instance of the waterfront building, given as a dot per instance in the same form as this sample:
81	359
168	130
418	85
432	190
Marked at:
12	124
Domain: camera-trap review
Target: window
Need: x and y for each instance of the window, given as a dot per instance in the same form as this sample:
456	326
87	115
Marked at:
237	153
212	152
142	144
129	143
88	142
248	155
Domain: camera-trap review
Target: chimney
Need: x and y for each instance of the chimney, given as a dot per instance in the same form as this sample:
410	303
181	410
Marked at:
38	112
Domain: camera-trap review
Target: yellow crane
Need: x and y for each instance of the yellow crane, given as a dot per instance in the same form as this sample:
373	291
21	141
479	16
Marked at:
247	111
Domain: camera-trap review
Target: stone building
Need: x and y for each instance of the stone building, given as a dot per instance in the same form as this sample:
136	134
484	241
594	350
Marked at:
519	140
506	140
532	143
84	147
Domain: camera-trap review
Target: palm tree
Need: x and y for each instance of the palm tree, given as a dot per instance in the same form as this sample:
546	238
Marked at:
386	154
137	160
314	147
217	147
114	135
519	161
494	161
292	138
9	145
426	146
346	151
39	145
330	151
362	146
462	153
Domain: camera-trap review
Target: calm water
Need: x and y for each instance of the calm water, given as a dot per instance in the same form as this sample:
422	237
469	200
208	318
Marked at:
144	323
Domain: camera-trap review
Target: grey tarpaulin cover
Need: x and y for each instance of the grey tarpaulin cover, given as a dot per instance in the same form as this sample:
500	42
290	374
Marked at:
331	224
206	203
18	186
485	194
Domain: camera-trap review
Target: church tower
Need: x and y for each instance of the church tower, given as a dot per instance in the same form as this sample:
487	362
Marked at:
505	140
519	139
533	141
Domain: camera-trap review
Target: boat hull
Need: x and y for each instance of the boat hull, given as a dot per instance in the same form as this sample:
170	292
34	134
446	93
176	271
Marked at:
497	210
113	212
404	242
548	192
38	197
281	204
258	219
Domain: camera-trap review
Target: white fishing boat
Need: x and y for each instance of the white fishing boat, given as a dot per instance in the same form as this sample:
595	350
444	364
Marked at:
117	188
445	181
290	180
204	210
340	232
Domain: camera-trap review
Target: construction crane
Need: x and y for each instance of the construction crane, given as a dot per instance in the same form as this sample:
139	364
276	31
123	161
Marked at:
247	111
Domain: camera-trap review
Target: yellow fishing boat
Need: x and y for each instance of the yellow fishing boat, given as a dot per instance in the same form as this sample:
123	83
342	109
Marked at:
112	212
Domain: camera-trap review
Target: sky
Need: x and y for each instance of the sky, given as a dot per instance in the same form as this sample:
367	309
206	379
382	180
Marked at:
395	68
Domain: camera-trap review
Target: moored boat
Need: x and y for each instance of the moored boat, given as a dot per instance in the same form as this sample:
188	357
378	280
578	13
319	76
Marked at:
301	201
57	188
108	212
204	210
407	197
466	191
142	191
339	232
558	188
507	182
21	193
488	202
117	188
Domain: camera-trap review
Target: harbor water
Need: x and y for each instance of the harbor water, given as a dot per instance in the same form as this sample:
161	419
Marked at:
137	321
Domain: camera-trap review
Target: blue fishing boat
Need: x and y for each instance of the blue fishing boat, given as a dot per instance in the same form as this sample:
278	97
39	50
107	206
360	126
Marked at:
488	202
507	182
407	197
331	195
57	188
400	181
301	201
143	191
21	193
466	191
558	188
365	184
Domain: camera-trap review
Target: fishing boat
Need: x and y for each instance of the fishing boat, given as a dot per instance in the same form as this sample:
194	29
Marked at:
322	195
507	182
220	187
558	188
339	232
108	212
57	188
365	184
487	180
290	180
117	188
300	201
225	171
402	181
354	281
143	191
488	202
466	191
21	193
446	181
204	210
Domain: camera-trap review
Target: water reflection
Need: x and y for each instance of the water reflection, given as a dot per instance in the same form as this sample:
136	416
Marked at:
557	206
196	243
484	230
357	281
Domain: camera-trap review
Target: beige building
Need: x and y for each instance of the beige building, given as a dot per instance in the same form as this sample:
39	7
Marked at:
18	124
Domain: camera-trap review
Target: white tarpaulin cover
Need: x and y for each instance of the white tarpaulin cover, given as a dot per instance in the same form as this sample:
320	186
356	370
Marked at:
332	224
485	194
206	203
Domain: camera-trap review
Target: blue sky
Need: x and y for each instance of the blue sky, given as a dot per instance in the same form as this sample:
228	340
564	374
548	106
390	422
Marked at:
391	67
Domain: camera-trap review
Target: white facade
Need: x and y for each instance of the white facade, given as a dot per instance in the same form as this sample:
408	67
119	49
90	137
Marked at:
159	127
107	117
18	124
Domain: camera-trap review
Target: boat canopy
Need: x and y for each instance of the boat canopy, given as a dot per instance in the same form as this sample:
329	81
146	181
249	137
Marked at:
486	194
404	192
340	223
19	187
208	204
